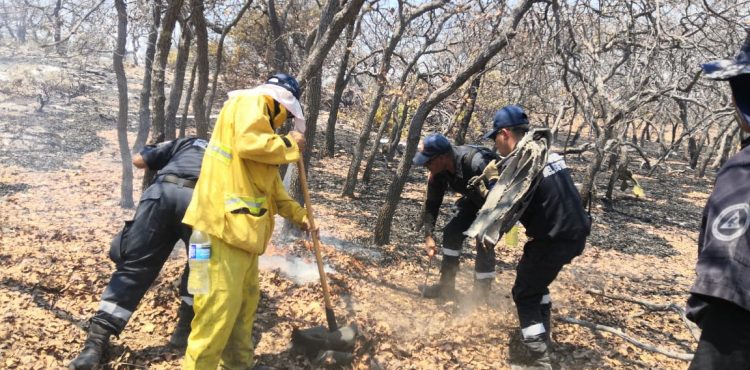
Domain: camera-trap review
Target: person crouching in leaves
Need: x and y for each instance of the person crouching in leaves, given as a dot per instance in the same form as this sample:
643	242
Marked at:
535	188
457	168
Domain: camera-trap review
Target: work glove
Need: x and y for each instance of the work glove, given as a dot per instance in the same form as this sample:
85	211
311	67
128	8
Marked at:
477	189
491	172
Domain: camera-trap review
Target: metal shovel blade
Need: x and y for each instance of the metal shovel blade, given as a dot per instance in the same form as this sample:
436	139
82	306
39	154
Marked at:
318	338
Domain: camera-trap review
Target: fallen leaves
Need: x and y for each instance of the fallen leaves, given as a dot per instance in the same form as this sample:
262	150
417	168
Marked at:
56	223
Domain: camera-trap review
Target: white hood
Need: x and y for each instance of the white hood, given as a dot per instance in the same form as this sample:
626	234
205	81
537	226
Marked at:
281	95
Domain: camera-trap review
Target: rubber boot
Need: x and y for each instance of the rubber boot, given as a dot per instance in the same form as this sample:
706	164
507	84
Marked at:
93	349
539	354
446	287
179	337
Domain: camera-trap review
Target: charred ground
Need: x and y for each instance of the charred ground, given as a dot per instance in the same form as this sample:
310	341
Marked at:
59	186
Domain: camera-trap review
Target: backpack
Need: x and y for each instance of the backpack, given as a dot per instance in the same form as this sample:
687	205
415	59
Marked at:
487	153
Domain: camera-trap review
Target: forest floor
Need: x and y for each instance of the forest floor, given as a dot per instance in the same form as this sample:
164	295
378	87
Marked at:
59	191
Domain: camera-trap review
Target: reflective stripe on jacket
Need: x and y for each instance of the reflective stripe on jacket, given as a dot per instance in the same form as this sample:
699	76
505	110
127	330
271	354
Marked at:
239	189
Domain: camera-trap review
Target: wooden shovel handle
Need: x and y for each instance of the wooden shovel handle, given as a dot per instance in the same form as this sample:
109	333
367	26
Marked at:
316	241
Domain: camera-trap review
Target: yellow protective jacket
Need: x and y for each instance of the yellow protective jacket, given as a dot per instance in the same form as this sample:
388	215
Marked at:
239	189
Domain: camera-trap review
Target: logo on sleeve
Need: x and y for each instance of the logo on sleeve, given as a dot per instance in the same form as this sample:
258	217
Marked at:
200	143
732	222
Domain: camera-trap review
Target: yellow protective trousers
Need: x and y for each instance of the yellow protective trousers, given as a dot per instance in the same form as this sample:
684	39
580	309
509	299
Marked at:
223	323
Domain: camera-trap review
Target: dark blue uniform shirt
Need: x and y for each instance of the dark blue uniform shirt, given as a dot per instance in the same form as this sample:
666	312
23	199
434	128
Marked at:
723	269
470	161
179	157
555	210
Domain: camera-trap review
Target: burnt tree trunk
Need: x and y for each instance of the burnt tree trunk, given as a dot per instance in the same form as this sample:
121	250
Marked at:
471	100
321	46
726	147
279	59
312	108
126	187
144	112
367	173
709	154
594	166
58	27
692	152
619	167
201	58
186	107
175	93
396	131
341	81
351	178
163	46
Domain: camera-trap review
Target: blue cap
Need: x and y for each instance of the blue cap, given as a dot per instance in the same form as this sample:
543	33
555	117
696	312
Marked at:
433	145
508	116
286	81
728	68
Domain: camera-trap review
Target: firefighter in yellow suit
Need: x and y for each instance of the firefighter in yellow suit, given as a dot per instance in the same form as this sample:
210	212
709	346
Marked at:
237	195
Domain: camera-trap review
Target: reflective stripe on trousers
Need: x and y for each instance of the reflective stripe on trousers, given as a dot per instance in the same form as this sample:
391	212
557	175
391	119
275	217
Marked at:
484	275
533	331
451	252
115	310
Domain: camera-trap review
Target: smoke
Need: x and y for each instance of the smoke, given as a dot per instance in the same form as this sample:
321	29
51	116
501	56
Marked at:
294	268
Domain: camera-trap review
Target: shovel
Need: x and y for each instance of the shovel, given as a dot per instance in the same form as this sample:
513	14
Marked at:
324	344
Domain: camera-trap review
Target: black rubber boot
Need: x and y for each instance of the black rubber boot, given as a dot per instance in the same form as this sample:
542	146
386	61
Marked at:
446	287
538	354
93	349
181	332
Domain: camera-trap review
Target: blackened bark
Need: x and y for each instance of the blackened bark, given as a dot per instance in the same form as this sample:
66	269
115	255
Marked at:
175	93
201	58
338	90
594	166
312	107
126	187
471	101
58	27
164	43
144	113
183	120
367	173
396	131
279	61
726	147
